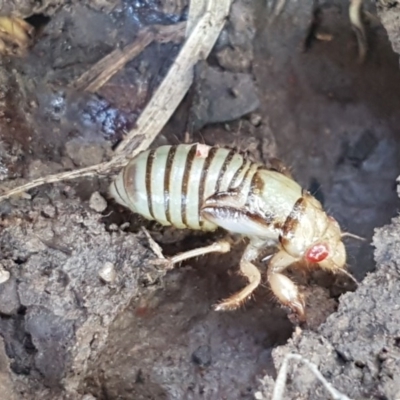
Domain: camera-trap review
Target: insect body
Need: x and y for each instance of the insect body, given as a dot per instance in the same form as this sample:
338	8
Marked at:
200	187
16	35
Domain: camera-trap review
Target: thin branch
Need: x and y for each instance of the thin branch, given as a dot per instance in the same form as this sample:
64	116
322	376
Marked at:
196	10
98	169
100	73
93	79
280	384
356	19
180	76
164	102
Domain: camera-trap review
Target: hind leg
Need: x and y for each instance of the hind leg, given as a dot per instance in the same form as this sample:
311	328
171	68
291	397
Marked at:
221	246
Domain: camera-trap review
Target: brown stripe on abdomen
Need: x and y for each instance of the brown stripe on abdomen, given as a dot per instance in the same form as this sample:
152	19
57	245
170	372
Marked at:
224	167
202	183
235	179
257	184
167	182
149	169
246	180
292	221
185	182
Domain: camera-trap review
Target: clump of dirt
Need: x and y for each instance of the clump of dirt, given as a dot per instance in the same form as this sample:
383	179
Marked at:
56	309
389	12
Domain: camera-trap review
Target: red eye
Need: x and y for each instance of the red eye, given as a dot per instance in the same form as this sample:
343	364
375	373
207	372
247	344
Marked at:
317	253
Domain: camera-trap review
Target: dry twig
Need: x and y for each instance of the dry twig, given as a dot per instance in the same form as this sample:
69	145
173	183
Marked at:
356	18
97	76
196	10
279	7
154	246
282	375
165	100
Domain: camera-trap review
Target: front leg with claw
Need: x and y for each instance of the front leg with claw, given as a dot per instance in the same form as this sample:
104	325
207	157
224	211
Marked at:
282	287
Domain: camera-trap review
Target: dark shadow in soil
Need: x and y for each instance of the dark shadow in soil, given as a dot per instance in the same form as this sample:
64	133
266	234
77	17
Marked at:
335	121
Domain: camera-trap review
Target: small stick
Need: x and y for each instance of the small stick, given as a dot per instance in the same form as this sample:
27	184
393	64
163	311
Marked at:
356	19
276	10
93	79
279	7
180	76
163	103
97	169
155	247
280	384
98	75
196	10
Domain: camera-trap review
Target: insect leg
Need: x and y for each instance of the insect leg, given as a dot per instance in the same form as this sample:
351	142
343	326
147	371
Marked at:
283	288
251	272
221	246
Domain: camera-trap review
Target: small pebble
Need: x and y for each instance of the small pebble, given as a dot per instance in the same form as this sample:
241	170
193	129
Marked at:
97	202
234	92
25	196
255	119
125	225
84	154
49	211
107	273
113	227
4	275
9	298
398	186
88	397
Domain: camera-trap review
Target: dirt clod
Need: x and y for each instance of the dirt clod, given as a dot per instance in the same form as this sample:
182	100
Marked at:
9	299
4	275
97	202
38	169
107	273
84	154
54	263
221	96
202	356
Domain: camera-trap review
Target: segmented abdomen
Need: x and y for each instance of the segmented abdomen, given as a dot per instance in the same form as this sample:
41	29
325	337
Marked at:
169	184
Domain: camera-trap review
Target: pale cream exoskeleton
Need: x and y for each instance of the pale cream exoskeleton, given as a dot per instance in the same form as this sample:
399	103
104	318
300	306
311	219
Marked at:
200	187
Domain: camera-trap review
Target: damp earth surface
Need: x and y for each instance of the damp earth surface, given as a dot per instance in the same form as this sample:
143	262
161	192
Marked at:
86	315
